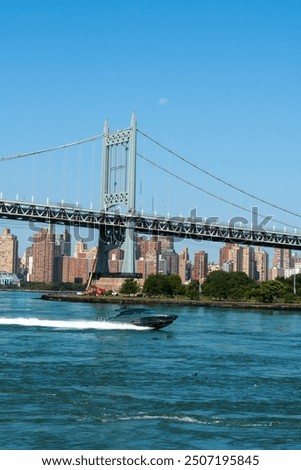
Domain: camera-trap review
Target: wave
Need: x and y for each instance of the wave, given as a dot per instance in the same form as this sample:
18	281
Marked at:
69	325
184	419
146	417
191	420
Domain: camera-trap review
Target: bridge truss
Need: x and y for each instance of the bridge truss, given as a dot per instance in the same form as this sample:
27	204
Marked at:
112	226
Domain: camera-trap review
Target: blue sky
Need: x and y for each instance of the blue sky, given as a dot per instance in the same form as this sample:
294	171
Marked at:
218	81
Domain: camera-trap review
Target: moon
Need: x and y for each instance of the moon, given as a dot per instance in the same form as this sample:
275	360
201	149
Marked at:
163	101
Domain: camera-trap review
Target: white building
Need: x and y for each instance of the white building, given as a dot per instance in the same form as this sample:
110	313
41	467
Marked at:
291	271
8	279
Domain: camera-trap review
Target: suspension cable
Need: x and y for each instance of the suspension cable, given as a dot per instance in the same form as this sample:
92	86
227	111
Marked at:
208	192
230	185
194	165
51	149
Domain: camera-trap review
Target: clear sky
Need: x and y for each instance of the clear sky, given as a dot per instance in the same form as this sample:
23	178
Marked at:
218	81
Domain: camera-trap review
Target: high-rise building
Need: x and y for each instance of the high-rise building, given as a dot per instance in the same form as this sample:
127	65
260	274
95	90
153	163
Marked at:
184	266
227	266
231	253
64	244
166	243
248	264
8	252
79	248
82	251
116	257
43	255
200	266
169	262
262	264
78	268
28	263
282	259
156	255
247	259
148	256
277	261
75	269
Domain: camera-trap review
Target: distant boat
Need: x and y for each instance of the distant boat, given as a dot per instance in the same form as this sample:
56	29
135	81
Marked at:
143	317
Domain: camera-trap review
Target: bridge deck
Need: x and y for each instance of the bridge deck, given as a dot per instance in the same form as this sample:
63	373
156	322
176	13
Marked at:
156	225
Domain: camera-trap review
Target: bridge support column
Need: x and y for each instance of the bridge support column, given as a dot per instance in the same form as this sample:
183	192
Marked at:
129	262
129	265
102	261
118	189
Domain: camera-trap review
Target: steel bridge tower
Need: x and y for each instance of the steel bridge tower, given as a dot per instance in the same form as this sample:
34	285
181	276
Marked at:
118	189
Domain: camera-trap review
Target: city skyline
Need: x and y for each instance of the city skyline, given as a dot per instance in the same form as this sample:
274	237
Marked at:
52	257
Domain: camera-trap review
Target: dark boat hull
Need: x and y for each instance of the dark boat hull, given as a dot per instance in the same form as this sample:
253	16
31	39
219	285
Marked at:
143	317
156	322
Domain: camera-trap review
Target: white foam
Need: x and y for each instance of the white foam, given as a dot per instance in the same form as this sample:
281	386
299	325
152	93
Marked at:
184	419
69	325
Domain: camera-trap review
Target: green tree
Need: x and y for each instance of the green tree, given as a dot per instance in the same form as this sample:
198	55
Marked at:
240	286
193	290
215	285
156	285
271	291
222	285
290	282
176	285
129	287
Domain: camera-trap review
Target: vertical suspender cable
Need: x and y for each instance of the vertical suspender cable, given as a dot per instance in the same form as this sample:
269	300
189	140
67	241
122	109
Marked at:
78	173
92	175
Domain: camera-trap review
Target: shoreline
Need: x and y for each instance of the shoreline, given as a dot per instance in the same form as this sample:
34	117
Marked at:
171	301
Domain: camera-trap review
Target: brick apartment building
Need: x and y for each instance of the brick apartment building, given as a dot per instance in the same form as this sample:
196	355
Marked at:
8	252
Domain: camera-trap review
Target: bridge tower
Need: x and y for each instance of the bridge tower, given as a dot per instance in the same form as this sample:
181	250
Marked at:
118	189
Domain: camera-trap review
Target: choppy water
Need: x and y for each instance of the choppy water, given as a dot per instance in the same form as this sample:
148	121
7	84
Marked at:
215	379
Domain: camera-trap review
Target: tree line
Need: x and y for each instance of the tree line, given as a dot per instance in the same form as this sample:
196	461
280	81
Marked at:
219	285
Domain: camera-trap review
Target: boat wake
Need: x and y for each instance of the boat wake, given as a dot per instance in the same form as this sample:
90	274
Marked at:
69	325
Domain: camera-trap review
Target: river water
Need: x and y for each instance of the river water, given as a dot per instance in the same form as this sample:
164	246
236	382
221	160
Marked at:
214	379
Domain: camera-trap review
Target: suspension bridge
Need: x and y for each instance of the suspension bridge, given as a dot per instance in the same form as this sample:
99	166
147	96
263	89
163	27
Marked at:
118	218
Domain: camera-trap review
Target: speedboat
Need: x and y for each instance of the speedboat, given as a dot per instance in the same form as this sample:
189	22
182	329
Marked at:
143	317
